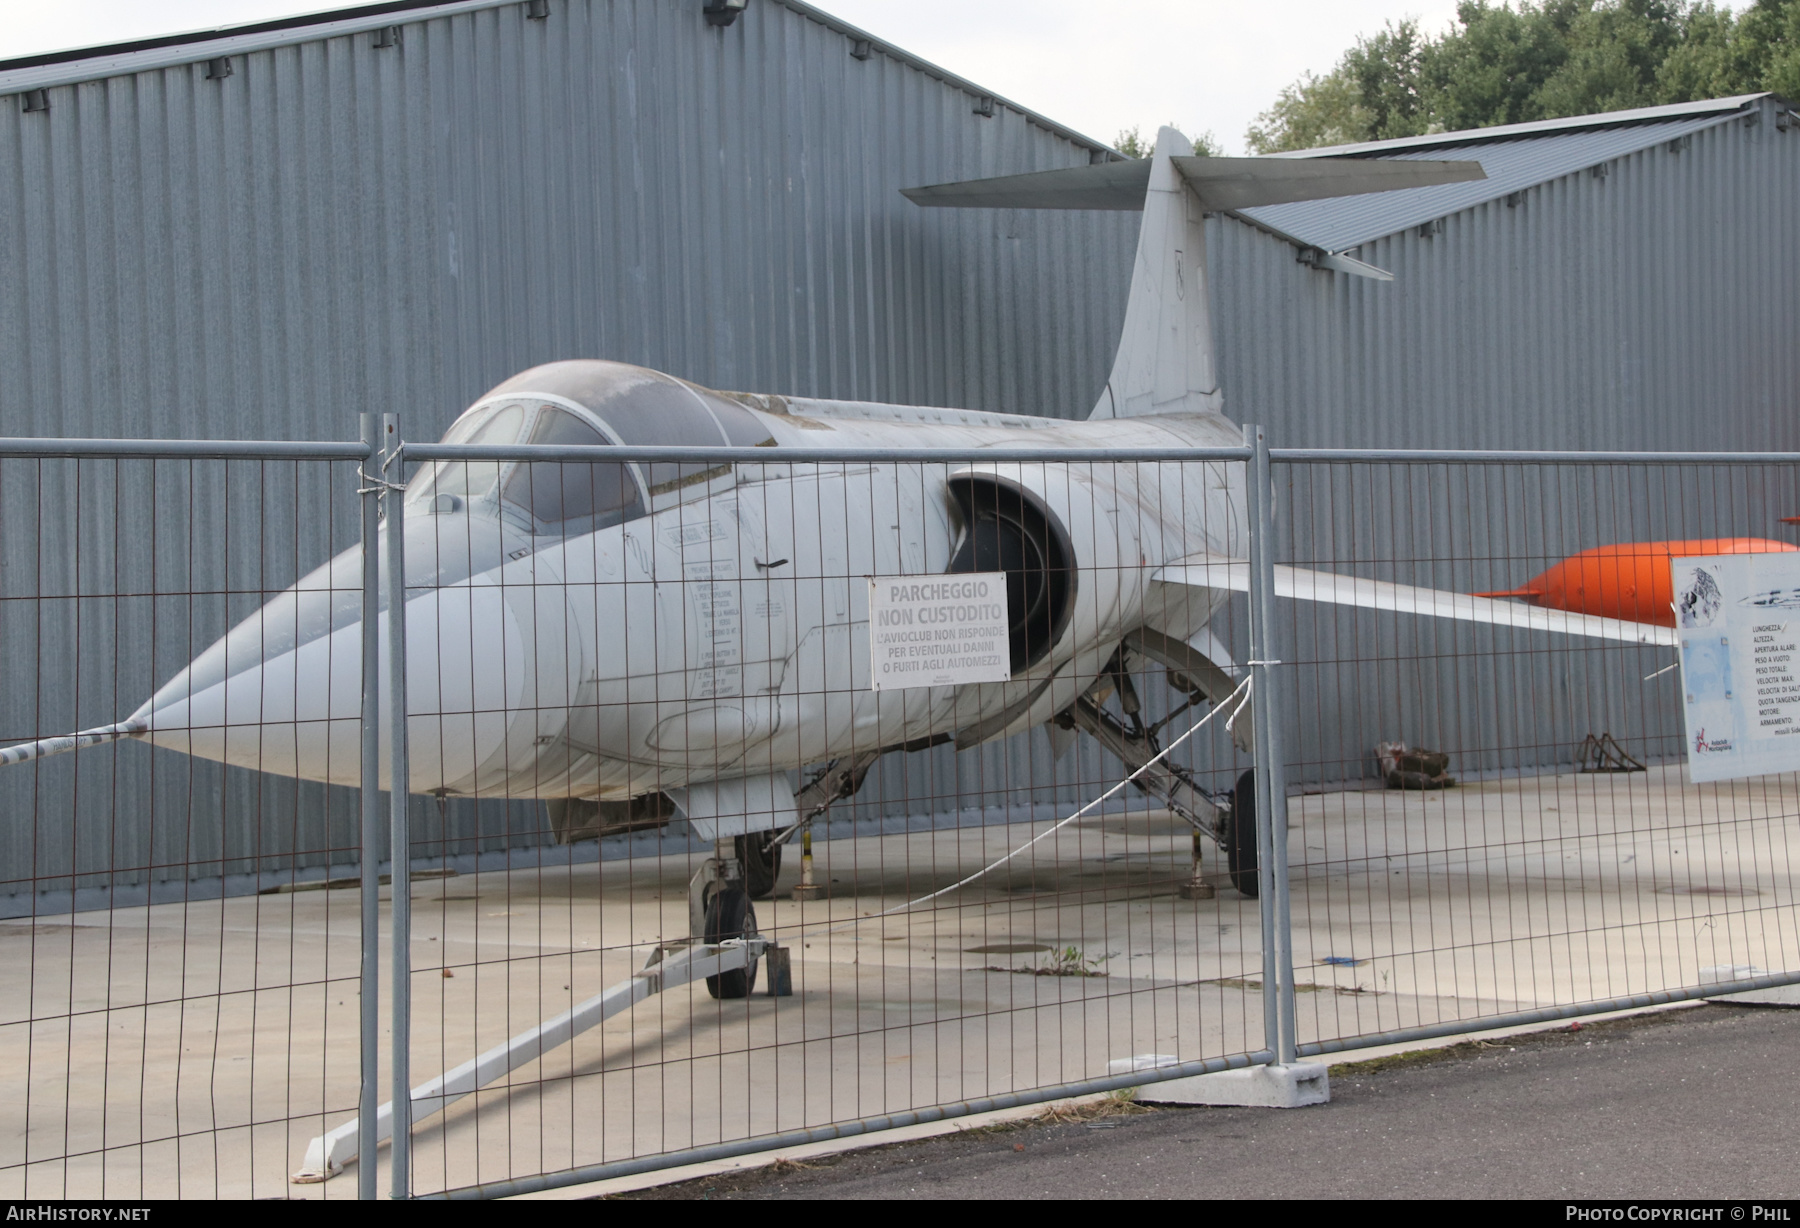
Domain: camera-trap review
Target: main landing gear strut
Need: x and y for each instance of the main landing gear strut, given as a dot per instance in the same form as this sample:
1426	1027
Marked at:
1229	820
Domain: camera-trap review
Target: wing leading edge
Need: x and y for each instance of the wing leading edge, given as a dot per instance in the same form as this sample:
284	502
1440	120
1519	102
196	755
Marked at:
1217	571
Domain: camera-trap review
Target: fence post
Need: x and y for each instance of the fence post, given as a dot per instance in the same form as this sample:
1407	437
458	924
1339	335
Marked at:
369	1032
1271	778
400	838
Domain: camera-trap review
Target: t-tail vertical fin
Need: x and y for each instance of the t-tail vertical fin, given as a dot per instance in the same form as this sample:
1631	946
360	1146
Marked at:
1164	364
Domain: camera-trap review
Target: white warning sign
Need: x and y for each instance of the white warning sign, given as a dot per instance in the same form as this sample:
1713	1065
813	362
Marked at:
938	630
1738	616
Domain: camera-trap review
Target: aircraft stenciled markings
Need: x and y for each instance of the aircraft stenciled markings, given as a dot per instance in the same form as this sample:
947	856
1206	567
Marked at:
598	632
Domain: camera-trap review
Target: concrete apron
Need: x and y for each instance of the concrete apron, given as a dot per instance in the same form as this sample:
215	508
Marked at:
193	1050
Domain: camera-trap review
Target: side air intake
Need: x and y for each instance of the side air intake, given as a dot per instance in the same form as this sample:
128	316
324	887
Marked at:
1007	528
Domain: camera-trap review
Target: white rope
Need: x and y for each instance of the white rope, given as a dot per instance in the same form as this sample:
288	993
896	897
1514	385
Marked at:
1243	689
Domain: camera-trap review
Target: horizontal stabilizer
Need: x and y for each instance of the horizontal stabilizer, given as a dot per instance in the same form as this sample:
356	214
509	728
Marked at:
1104	185
1245	183
1220	183
1219	572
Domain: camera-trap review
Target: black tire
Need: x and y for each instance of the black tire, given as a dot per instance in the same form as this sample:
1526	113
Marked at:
729	915
1240	854
761	858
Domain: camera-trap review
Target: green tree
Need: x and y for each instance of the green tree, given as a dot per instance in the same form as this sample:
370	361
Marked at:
1765	52
1616	53
1385	73
1489	70
1311	113
1541	59
1134	144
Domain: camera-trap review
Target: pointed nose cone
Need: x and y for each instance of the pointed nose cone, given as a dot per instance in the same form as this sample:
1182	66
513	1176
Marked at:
282	692
296	712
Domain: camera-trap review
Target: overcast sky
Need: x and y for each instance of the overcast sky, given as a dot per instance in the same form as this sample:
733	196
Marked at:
1098	67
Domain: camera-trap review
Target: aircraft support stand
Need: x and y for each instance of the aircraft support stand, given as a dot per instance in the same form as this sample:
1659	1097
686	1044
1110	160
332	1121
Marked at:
1196	887
806	888
840	780
670	965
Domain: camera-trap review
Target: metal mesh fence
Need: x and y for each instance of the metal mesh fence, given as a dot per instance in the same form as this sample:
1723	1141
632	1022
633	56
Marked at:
958	911
1573	861
731	820
180	1009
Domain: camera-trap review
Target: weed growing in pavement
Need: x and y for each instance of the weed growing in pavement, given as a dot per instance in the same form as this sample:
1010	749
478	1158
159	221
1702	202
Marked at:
1067	962
1113	1104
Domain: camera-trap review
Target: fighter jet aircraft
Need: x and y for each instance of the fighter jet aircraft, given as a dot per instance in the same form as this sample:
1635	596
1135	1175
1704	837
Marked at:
594	633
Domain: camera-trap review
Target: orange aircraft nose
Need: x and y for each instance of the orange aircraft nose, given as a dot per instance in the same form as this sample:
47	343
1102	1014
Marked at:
1630	580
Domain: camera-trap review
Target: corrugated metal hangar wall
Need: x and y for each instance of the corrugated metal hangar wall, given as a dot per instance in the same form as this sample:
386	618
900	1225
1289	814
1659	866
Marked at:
1650	305
1623	282
338	225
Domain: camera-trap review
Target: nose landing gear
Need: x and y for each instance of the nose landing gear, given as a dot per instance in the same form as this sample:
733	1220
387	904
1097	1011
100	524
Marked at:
720	911
729	917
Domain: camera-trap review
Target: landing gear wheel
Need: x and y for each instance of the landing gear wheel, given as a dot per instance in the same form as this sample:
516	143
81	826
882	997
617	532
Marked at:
1240	854
728	916
761	858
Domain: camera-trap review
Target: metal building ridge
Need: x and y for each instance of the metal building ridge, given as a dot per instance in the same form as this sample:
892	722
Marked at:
47	70
1515	156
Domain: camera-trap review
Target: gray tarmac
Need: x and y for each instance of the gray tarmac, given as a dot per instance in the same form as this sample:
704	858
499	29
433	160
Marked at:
1688	1104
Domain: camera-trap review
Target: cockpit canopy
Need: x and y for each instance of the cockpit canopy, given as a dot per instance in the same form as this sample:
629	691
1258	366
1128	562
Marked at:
568	403
583	403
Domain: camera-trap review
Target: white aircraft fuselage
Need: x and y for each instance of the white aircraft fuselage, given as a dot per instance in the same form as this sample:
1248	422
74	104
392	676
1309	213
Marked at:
718	626
604	630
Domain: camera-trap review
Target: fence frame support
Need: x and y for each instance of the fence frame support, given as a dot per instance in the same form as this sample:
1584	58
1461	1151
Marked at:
369	852
1271	778
400	834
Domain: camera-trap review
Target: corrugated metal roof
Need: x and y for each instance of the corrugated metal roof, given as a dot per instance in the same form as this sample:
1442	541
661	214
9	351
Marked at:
1541	127
68	67
1516	157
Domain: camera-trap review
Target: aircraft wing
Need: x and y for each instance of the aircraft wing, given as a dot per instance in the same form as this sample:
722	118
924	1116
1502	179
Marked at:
1217	571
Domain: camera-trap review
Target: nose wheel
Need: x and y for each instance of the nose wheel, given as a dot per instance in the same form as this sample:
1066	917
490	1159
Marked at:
729	915
720	911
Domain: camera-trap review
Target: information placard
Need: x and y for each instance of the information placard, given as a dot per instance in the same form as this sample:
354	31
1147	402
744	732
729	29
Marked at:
1738	616
943	630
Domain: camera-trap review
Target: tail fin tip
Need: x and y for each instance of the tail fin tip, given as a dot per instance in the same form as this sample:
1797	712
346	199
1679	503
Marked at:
1164	363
